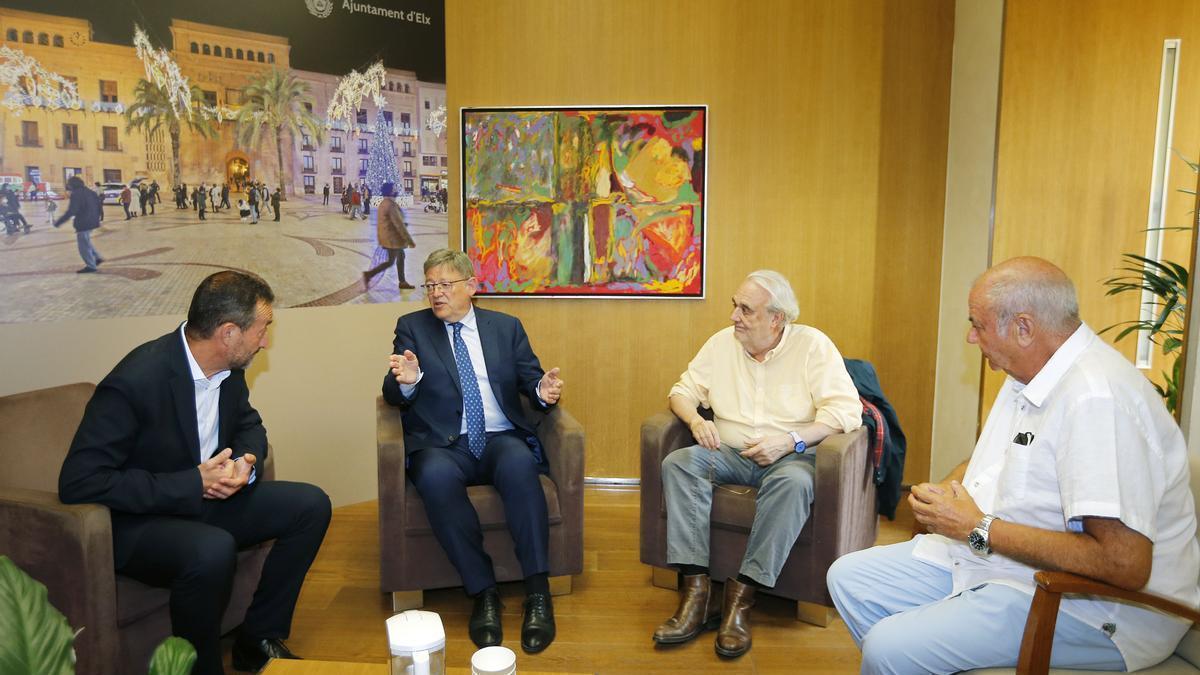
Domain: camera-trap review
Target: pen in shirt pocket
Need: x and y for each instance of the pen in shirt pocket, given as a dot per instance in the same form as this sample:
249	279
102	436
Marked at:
1023	438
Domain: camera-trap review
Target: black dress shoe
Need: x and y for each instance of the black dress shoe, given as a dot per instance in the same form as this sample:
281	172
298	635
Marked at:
251	655
484	627
537	631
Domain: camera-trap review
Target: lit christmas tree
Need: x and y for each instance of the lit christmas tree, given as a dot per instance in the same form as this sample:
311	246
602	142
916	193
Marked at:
381	165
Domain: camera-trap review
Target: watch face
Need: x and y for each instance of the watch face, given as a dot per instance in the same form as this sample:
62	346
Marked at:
976	541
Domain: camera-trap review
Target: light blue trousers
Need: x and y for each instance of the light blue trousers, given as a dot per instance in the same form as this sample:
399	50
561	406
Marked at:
897	611
83	241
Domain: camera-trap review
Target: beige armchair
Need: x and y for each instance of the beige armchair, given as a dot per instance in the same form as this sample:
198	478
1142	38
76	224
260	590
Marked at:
411	559
843	517
1038	639
69	547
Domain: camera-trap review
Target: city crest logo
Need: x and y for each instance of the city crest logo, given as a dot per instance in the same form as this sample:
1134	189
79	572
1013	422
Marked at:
319	8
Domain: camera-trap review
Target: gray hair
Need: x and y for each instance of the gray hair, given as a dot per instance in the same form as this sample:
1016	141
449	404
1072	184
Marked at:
457	260
783	300
1050	299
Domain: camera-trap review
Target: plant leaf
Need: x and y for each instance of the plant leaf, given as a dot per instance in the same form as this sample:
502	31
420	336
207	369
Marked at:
174	656
36	637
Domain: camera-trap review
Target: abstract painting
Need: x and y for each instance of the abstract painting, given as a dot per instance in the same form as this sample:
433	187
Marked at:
585	202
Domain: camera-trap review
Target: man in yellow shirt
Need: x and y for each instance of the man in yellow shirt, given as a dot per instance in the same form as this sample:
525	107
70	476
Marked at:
776	389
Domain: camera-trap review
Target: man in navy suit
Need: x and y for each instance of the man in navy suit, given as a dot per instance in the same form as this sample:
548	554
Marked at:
168	443
464	425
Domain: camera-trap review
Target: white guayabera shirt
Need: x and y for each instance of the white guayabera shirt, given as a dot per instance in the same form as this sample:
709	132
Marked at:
1097	442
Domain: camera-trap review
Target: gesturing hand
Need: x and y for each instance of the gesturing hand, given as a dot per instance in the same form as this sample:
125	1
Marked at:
705	433
765	451
550	387
405	367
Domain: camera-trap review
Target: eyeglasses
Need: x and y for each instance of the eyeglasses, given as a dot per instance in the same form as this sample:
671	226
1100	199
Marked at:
443	286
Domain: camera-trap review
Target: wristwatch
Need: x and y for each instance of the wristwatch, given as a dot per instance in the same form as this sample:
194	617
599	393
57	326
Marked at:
800	445
978	538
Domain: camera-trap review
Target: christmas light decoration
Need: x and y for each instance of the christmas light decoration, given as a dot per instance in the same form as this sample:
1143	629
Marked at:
436	122
32	86
349	94
163	72
381	165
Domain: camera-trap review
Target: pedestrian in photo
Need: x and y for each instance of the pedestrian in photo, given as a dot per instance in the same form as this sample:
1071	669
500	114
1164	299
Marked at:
51	207
243	210
355	203
346	200
126	200
84	207
276	197
201	201
143	196
325	195
224	195
252	194
212	198
393	237
155	196
366	201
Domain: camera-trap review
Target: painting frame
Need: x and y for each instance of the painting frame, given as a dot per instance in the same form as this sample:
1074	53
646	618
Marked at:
585	201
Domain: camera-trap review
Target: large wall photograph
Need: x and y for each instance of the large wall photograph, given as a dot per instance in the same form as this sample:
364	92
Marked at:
585	202
189	122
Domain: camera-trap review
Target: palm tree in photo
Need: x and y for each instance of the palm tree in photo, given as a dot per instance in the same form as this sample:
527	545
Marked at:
153	109
275	100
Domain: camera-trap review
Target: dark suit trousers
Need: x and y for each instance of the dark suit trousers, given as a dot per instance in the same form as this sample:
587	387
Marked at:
442	475
197	557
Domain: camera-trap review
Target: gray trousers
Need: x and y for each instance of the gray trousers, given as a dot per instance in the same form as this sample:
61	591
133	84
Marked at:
785	494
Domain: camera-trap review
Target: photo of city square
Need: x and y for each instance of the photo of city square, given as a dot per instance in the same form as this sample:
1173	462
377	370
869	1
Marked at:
252	136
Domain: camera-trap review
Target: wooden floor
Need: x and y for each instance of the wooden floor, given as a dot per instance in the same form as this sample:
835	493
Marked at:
604	625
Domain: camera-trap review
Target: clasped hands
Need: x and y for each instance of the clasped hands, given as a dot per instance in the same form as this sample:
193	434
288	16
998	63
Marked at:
762	450
407	370
223	477
945	508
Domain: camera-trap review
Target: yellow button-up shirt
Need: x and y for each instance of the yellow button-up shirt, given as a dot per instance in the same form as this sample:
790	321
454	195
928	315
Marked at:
802	380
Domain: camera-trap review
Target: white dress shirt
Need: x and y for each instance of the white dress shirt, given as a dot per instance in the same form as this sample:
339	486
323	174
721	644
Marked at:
208	396
1098	442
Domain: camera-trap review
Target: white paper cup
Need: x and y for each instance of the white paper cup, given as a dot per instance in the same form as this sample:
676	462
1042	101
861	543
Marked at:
494	661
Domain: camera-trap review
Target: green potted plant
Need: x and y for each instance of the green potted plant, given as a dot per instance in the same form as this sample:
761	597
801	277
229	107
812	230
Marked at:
39	641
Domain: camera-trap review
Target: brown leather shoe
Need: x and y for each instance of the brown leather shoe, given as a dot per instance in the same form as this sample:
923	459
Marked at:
733	637
698	611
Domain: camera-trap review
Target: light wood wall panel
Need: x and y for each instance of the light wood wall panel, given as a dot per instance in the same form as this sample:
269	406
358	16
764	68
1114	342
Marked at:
1078	108
912	191
796	95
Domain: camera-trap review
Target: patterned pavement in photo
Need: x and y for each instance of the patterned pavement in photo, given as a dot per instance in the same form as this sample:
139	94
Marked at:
314	256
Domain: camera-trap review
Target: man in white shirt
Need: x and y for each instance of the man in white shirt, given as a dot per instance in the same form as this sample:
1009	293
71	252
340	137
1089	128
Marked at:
776	389
1079	468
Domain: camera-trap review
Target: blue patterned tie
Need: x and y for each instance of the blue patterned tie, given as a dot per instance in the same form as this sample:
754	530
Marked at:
472	401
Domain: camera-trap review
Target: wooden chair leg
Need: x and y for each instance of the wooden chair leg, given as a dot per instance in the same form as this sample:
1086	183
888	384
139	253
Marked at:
664	577
403	600
560	585
817	615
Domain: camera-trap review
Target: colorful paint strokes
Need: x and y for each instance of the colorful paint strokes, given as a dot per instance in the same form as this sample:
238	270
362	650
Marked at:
585	202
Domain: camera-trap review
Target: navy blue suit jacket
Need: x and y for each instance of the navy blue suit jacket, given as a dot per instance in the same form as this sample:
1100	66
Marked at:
137	447
433	416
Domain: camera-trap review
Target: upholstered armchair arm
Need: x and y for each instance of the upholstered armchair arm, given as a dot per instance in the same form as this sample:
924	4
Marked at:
389	441
561	436
844	513
1043	613
662	433
67	547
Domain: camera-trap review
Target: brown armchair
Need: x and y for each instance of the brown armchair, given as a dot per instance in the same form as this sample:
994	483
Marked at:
410	557
69	547
1036	643
843	517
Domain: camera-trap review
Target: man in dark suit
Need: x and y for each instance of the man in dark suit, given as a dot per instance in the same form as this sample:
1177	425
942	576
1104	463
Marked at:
464	425
169	443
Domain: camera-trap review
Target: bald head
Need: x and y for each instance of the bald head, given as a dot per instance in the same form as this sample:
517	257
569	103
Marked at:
1032	286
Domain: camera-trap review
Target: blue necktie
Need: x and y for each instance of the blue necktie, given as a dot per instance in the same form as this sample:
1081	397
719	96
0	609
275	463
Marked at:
472	401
